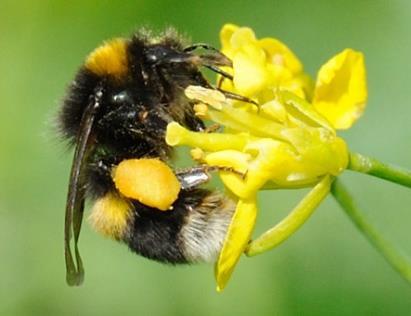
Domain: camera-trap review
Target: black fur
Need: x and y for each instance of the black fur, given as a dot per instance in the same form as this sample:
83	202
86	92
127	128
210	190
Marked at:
77	98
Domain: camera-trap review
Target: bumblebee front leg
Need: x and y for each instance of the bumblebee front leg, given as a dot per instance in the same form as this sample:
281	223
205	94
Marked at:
293	221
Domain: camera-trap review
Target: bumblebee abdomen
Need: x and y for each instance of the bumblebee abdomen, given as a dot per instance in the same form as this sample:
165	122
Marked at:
192	232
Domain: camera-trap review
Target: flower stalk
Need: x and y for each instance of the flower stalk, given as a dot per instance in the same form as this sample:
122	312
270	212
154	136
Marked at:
394	257
373	167
291	223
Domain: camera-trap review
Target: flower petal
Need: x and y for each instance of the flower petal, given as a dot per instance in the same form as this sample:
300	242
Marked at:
341	89
250	72
243	36
239	233
226	33
280	54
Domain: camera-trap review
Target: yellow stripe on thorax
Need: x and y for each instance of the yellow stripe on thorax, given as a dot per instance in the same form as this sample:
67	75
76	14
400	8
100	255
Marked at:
109	59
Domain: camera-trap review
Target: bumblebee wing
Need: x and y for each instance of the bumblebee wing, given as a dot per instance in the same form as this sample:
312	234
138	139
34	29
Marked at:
76	192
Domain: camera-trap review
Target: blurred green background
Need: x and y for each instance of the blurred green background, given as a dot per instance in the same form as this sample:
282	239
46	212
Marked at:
327	268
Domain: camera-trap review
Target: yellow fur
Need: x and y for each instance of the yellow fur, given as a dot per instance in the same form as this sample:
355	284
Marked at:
109	59
110	215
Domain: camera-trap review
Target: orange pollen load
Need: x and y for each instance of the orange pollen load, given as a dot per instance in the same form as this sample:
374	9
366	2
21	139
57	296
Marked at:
149	181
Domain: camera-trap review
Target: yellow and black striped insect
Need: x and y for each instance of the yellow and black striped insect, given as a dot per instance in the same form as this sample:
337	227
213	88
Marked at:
117	109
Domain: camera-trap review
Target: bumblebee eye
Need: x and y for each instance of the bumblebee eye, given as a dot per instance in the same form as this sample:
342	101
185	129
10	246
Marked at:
156	54
121	97
152	57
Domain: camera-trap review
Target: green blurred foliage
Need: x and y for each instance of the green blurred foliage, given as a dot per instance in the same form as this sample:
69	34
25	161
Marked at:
327	268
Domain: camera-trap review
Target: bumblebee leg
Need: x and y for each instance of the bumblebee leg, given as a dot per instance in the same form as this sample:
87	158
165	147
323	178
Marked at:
228	94
224	168
193	122
219	71
238	97
212	128
220	82
293	221
195	176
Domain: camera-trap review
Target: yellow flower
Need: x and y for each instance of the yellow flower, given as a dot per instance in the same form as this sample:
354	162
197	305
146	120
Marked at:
298	152
290	142
259	66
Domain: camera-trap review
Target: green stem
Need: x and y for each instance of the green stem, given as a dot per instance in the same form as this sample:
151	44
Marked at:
378	169
394	257
293	221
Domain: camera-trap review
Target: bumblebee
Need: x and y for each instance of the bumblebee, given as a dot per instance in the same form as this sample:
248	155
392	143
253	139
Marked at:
117	110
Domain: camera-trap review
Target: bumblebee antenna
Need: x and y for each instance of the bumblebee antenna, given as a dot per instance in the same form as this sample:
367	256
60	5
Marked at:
200	45
211	61
76	193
